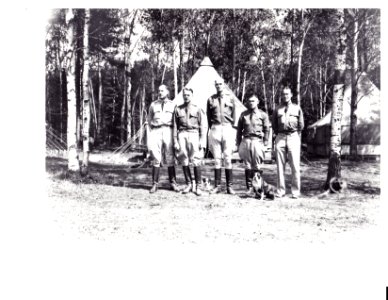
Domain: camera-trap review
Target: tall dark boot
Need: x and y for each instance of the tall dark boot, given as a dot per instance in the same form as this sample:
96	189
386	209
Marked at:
155	179
188	179
248	180
217	182
172	178
198	180
229	181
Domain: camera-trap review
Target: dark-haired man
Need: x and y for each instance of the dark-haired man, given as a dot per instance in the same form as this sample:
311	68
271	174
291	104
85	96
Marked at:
189	140
252	139
160	138
287	124
221	114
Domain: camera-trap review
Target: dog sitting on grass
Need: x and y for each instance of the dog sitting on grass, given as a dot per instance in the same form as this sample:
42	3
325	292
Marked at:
262	188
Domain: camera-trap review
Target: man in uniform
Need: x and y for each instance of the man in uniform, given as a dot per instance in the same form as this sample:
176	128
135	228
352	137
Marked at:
222	138
189	140
160	138
287	124
252	138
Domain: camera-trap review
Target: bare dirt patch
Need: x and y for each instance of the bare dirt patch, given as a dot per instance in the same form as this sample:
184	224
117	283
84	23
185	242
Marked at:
113	202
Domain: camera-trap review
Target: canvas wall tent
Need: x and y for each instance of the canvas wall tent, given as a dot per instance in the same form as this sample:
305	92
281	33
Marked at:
202	84
368	123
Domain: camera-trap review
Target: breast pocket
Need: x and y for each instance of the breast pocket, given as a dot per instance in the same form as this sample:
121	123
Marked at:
293	120
281	118
168	113
157	114
228	106
182	118
258	125
193	119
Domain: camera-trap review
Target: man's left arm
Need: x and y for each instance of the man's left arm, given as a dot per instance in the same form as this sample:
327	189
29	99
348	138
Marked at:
300	122
234	114
201	129
265	128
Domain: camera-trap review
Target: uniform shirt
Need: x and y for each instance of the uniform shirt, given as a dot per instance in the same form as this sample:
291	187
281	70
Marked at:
287	118
220	109
253	123
161	113
189	117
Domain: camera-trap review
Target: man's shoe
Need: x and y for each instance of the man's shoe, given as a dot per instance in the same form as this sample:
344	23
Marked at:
198	191
216	190
230	191
250	193
229	181
295	196
154	188
175	187
187	189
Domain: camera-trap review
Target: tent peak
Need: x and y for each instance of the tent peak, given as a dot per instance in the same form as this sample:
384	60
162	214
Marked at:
206	62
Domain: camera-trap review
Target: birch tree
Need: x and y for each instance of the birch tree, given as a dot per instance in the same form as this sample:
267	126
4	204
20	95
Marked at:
354	80
306	25
334	166
86	96
73	164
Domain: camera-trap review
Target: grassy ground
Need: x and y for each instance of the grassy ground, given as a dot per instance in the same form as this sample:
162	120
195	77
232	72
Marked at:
113	202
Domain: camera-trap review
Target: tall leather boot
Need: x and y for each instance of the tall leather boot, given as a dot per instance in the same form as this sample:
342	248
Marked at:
217	182
155	179
172	178
188	179
229	181
198	180
248	180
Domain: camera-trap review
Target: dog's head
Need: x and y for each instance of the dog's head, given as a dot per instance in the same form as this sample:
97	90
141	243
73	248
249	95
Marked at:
206	183
258	184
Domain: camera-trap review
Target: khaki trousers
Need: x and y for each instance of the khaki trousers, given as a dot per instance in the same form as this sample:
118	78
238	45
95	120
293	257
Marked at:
251	151
288	146
160	145
222	139
189	143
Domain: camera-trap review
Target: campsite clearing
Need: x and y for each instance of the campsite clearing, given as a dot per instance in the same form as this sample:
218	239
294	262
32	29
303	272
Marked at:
114	203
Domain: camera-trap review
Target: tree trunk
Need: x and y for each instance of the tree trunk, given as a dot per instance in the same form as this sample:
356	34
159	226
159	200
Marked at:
238	82
129	25
243	87
175	69
182	65
300	57
123	110
234	50
324	90
290	70
263	86
86	96
60	92
99	96
141	114
273	91
353	102
334	165
73	164
152	76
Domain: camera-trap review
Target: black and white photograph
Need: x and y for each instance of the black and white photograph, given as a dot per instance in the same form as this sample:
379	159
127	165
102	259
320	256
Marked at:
195	153
213	124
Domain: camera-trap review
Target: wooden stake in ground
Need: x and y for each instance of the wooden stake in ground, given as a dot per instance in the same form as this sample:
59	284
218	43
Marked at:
334	168
73	164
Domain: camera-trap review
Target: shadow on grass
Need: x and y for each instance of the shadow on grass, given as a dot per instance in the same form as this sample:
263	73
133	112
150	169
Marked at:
313	177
